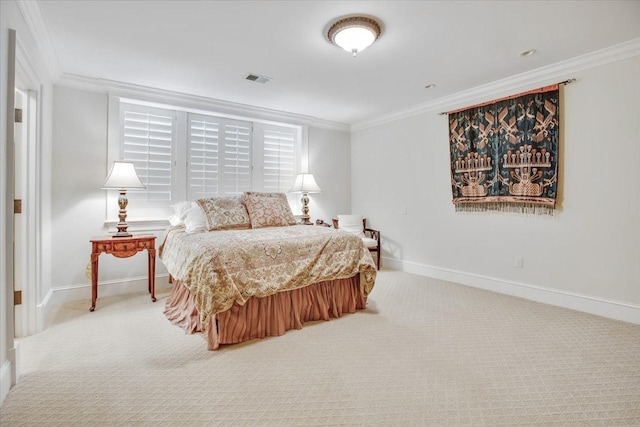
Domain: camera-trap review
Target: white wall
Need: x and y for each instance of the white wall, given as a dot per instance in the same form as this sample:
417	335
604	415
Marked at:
330	163
11	18
589	252
79	203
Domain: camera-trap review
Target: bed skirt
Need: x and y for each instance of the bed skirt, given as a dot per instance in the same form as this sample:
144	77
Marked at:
267	316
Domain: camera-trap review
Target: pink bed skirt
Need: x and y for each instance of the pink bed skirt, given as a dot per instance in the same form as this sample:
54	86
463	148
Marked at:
267	316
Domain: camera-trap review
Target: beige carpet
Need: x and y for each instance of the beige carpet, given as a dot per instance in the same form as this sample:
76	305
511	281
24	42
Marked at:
425	352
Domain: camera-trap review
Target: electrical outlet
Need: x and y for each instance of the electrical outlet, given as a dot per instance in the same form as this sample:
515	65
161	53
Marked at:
518	262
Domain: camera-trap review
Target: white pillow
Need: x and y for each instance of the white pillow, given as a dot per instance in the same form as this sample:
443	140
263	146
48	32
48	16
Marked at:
174	220
352	224
195	220
179	213
180	209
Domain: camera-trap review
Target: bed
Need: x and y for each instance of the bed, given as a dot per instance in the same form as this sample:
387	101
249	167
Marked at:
235	284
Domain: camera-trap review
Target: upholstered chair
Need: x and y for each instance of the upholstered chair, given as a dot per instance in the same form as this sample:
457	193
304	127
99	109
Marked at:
357	225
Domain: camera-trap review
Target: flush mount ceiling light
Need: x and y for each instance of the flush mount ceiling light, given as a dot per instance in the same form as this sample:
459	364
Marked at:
528	52
354	34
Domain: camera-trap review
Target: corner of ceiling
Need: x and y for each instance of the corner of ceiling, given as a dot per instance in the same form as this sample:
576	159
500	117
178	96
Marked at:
524	81
37	26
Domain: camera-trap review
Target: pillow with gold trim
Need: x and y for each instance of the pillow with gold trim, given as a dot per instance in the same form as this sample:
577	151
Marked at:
224	213
268	209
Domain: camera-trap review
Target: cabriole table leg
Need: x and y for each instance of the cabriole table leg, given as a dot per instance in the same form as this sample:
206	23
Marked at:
152	273
94	280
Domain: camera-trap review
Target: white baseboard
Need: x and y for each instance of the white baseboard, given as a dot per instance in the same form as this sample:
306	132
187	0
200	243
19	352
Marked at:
42	311
10	371
106	288
617	310
5	380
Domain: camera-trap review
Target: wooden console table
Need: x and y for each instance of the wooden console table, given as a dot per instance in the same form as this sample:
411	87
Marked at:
122	247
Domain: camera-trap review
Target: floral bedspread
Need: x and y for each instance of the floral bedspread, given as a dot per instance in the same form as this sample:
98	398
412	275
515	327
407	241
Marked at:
226	266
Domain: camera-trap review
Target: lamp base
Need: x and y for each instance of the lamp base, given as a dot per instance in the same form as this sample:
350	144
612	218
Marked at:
122	215
305	209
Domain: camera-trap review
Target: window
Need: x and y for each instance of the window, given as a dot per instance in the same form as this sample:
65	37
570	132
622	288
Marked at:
182	155
279	158
219	161
147	139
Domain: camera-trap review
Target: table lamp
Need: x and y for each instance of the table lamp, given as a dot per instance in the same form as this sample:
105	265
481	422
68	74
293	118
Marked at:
305	183
121	177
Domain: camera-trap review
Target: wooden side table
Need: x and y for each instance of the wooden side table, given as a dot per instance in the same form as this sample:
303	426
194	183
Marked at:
122	247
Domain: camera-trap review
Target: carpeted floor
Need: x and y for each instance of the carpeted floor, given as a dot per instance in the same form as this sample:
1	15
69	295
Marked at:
425	352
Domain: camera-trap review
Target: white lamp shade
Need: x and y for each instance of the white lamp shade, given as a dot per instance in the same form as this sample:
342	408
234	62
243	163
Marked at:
122	175
305	183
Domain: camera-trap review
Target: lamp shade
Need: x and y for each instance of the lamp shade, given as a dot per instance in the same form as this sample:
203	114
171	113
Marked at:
305	183
354	34
122	175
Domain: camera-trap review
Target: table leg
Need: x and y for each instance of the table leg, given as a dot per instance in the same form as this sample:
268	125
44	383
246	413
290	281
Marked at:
152	273
94	280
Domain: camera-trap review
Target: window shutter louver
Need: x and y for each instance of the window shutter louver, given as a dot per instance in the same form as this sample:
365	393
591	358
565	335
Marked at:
147	142
203	158
237	158
219	158
279	159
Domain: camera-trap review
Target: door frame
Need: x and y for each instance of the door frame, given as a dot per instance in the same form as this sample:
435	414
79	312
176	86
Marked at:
18	62
30	261
8	334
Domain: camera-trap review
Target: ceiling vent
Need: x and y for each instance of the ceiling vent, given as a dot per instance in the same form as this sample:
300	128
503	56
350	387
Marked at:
258	79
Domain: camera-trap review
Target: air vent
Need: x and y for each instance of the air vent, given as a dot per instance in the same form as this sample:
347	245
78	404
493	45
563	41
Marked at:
258	79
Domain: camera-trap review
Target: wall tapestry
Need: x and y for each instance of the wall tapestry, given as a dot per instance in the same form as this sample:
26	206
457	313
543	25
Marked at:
504	154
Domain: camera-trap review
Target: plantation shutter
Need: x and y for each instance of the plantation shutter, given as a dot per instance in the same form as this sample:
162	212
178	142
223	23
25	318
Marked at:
237	157
147	141
203	155
189	155
219	157
279	159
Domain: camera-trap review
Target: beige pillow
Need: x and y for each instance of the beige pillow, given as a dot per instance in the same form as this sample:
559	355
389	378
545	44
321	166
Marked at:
268	209
224	213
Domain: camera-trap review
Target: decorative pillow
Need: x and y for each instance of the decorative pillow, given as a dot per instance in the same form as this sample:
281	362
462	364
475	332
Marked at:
352	224
265	194
224	213
195	220
268	209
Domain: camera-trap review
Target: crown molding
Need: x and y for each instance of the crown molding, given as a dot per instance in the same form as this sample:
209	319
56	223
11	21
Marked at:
520	82
32	15
161	96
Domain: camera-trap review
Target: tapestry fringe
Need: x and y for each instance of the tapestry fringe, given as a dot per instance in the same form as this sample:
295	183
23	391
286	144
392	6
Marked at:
525	208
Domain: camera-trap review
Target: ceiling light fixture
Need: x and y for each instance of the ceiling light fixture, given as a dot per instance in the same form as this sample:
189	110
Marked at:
430	86
354	34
